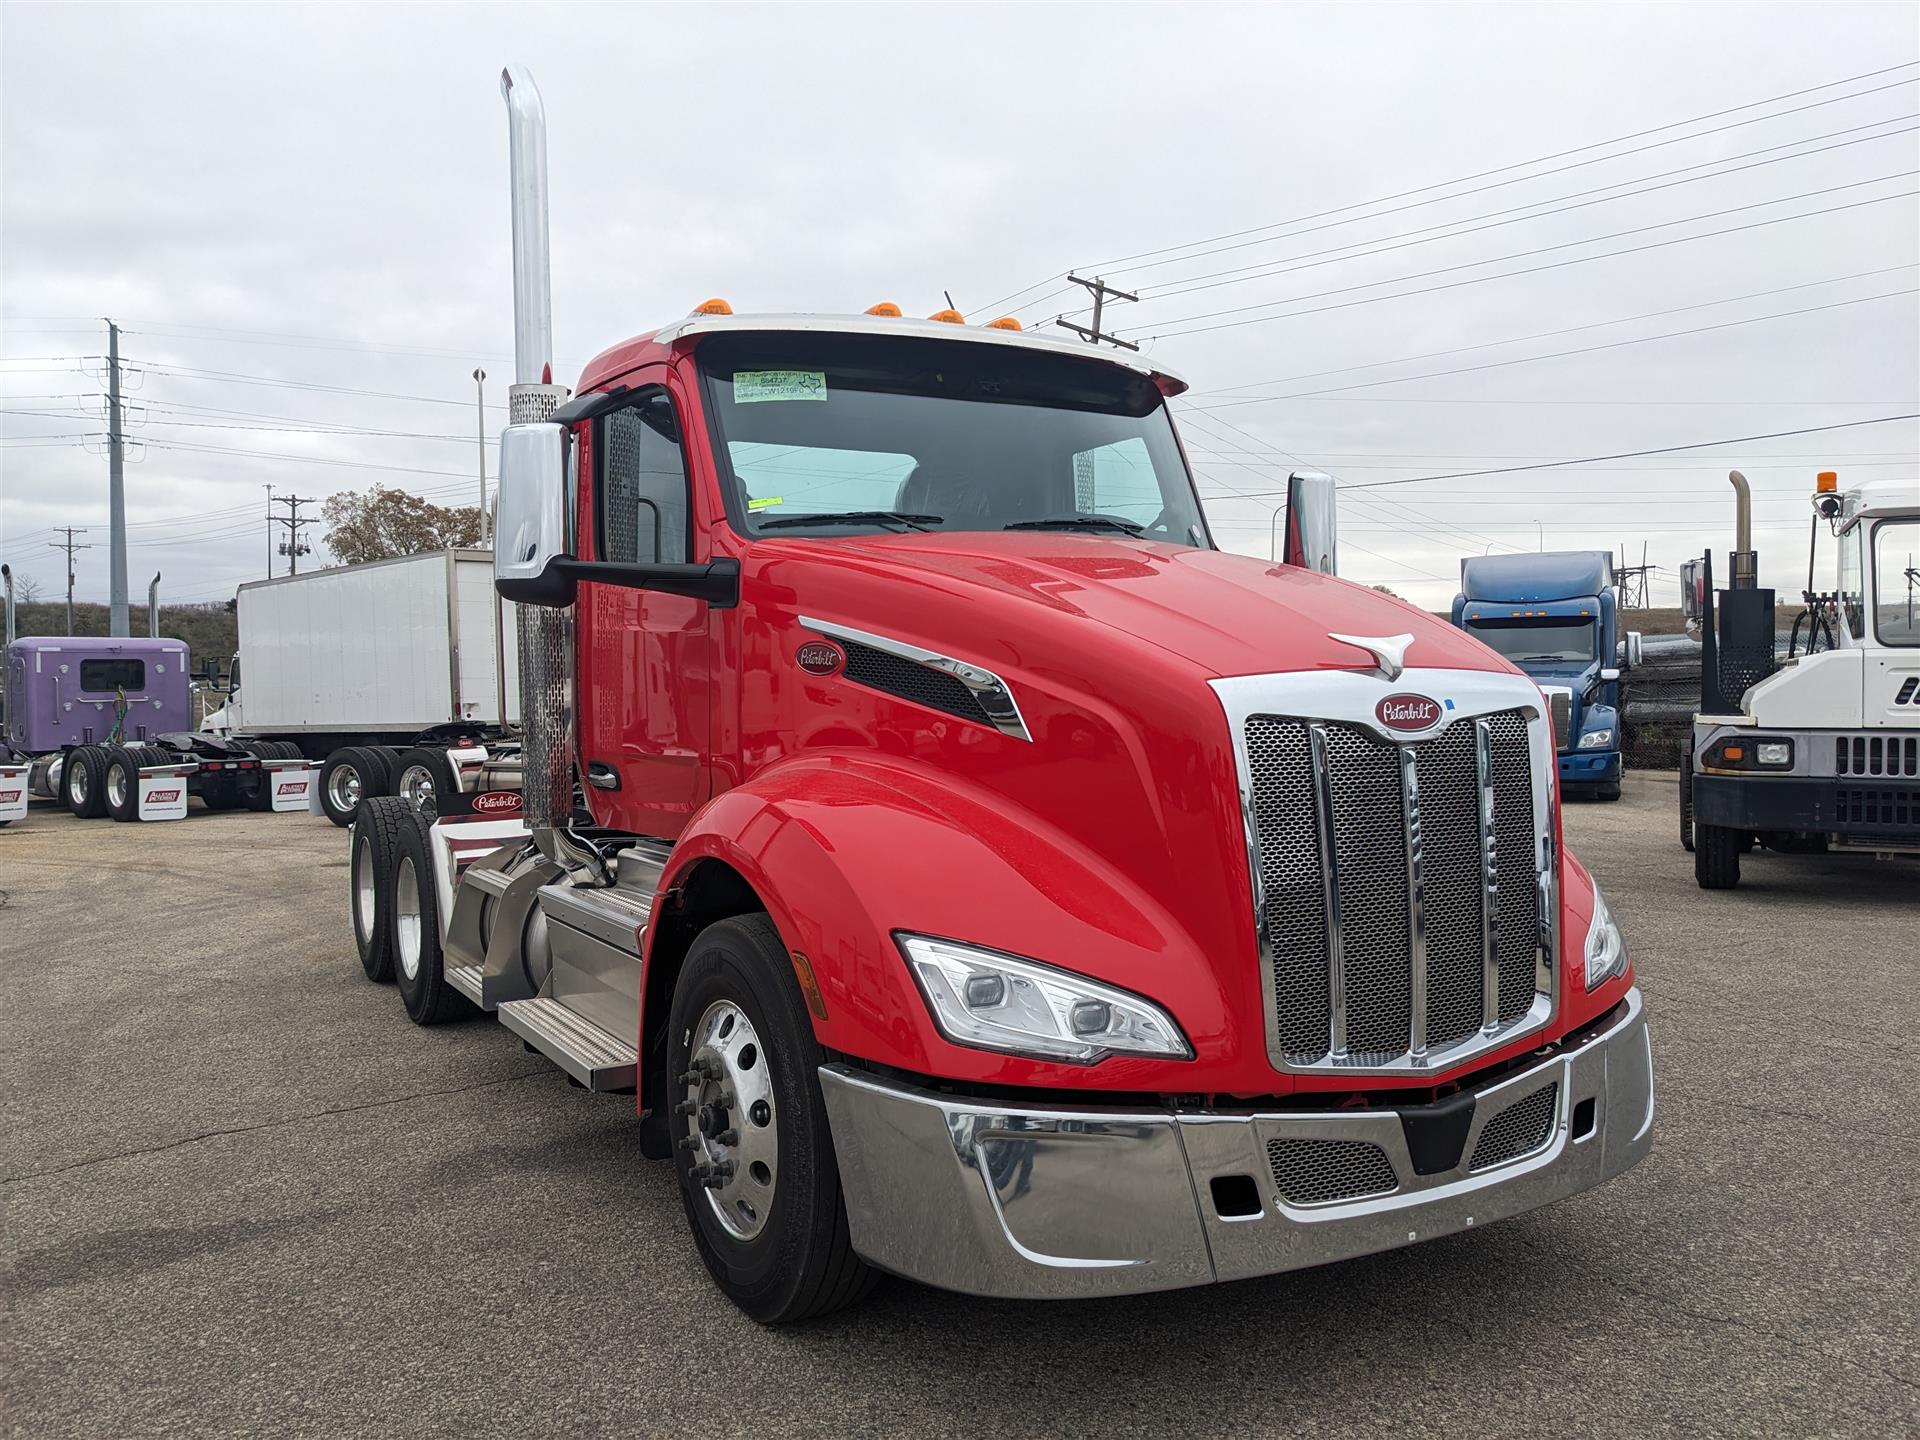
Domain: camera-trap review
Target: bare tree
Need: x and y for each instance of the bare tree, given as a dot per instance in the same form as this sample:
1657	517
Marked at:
27	590
381	524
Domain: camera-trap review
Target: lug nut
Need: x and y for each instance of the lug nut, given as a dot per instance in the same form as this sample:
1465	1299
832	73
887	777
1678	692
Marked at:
699	1172
686	1107
727	1137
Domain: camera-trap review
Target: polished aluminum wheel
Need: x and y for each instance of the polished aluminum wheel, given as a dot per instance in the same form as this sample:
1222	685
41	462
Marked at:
116	786
406	918
343	788
79	785
363	887
729	1099
416	788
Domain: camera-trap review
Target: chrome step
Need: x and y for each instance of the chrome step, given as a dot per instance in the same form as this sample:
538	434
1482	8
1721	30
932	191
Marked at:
466	979
596	1059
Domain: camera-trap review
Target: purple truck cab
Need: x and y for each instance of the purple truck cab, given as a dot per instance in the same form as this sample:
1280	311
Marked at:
64	690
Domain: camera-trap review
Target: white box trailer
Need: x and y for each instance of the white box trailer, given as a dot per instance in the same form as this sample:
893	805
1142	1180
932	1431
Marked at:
388	672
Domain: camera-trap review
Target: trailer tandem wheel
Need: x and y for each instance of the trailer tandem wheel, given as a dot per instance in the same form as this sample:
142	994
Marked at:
374	851
85	782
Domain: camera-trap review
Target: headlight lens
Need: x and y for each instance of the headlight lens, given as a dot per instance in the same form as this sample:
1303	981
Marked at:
1597	739
1774	752
1606	946
993	1001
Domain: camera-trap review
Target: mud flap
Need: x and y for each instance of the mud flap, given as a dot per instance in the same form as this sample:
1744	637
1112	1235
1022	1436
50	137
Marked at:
163	791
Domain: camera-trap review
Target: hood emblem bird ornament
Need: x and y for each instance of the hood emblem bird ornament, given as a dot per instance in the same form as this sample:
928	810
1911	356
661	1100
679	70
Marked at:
1389	651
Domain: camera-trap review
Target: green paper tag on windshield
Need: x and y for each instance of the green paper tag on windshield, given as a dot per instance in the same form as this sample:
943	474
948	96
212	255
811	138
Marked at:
766	501
751	387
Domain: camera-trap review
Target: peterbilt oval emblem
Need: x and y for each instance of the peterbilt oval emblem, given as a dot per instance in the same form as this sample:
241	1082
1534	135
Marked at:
497	802
819	657
1409	712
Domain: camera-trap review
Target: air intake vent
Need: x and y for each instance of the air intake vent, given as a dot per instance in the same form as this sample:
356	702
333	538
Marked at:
1518	1130
1324	1172
909	680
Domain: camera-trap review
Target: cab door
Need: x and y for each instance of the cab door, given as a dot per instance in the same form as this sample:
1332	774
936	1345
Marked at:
643	655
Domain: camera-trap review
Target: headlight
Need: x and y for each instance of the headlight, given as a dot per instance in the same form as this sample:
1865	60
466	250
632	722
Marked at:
1606	946
996	1002
1774	752
1597	739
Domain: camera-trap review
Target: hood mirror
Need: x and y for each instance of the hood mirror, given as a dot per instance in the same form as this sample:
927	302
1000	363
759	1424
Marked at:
1312	522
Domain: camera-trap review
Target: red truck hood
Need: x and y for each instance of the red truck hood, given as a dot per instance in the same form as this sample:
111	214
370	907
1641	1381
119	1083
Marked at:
1222	613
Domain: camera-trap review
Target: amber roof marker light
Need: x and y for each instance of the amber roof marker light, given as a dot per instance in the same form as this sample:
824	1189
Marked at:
948	317
713	307
886	309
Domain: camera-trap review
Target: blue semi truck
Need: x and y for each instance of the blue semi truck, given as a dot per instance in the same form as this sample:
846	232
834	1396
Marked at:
1552	614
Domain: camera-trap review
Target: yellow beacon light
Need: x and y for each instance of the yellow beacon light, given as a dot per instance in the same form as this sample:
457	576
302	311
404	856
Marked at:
885	308
713	307
948	317
1005	322
1826	482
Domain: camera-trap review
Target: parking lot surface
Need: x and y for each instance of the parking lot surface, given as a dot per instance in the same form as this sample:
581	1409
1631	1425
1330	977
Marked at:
243	1194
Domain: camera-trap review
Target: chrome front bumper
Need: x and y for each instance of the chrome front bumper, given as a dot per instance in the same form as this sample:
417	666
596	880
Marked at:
1055	1204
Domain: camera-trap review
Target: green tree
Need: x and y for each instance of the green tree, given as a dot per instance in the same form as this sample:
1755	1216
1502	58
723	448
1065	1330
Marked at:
382	524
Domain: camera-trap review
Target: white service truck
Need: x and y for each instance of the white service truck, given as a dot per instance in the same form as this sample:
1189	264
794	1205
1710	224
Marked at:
387	673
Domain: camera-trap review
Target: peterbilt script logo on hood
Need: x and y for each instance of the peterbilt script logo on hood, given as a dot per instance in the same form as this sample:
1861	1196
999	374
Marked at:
819	657
497	802
1409	712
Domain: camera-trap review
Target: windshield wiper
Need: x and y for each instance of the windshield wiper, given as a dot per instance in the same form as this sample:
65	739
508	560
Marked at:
1079	522
904	519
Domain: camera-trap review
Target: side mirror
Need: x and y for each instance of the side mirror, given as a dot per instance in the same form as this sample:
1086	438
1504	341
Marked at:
1312	522
1631	651
533	561
530	533
1608	675
1691	585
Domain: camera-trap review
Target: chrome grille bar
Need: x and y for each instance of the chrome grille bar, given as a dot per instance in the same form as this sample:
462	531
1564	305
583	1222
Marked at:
1416	902
1489	879
1330	886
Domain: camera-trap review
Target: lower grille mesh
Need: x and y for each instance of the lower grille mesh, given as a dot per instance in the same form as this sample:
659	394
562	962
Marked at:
1520	1129
1318	1172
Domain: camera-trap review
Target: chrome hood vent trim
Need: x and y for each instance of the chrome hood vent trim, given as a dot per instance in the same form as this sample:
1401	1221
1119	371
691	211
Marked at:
926	677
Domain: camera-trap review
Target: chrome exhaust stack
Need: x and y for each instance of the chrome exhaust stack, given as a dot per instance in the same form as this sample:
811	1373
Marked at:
6	571
153	606
1743	565
545	633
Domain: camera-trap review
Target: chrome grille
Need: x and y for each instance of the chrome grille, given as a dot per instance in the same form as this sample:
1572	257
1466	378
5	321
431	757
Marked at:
1520	1129
1560	706
1400	889
1319	1172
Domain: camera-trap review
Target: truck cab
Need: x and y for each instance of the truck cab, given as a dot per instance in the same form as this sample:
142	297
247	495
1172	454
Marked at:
974	873
1552	614
1820	752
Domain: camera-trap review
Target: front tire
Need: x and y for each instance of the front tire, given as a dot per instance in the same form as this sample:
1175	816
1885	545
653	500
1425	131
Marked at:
1716	856
754	1151
1686	800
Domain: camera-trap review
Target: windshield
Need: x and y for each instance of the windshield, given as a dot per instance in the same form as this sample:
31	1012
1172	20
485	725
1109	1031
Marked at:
1569	640
839	434
1896	581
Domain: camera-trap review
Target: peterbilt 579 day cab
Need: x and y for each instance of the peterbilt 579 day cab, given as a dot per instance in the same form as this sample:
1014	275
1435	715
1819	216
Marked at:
974	872
1822	752
1553	615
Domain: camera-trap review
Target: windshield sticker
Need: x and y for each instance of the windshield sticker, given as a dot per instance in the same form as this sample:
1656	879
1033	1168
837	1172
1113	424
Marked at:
766	502
751	387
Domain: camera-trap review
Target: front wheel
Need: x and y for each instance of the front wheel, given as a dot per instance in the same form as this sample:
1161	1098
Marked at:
1716	856
1686	800
754	1152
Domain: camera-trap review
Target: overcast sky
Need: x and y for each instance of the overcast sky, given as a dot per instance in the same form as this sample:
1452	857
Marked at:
332	181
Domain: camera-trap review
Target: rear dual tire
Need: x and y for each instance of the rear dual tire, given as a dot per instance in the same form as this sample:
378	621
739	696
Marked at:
419	967
120	779
421	776
83	782
350	775
370	869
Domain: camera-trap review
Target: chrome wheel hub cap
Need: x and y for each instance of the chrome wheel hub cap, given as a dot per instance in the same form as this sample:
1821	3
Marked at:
729	1109
343	788
416	788
406	918
77	784
116	786
363	887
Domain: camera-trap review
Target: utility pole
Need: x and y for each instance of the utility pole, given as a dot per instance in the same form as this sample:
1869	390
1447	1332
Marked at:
69	546
117	620
269	532
480	411
293	547
1100	290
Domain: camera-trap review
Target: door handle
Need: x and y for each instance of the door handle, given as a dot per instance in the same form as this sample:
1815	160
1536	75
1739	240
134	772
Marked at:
602	776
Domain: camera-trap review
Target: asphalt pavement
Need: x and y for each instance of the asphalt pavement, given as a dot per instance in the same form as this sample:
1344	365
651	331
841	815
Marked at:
243	1195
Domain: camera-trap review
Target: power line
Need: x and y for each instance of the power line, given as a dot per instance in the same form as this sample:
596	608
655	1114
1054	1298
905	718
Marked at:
1564	330
1577	350
69	546
293	547
1546	250
1188	284
187	372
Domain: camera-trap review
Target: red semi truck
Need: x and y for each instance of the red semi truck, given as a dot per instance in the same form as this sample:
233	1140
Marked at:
974	872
